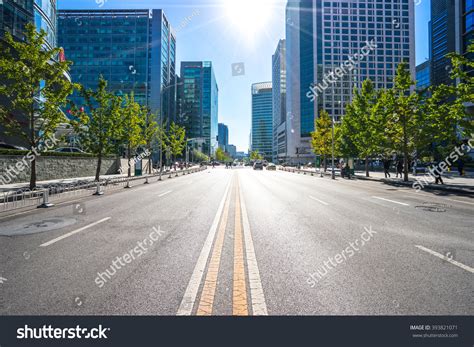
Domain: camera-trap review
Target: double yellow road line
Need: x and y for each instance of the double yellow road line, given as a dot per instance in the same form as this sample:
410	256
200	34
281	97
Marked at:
243	250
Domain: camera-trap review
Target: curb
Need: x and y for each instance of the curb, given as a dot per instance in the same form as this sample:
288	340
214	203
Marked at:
447	188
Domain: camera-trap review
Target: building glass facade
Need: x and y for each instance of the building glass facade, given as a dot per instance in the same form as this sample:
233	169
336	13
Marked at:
223	136
321	37
262	119
279	102
15	14
198	102
121	45
423	76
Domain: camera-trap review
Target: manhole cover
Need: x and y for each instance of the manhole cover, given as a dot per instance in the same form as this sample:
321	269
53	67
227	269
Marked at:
36	227
433	207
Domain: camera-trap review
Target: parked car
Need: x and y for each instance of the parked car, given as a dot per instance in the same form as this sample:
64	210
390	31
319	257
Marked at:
4	145
271	167
258	165
68	150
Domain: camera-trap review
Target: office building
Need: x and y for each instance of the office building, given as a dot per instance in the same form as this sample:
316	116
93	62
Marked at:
279	102
332	47
223	136
134	50
14	16
232	151
262	119
199	97
423	76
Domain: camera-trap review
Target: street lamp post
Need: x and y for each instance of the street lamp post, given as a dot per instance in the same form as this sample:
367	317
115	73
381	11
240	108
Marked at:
333	175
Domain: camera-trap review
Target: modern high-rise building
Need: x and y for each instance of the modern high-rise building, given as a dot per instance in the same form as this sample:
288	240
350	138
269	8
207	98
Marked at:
423	76
134	50
445	37
467	25
262	119
232	151
332	47
14	16
223	136
279	102
199	96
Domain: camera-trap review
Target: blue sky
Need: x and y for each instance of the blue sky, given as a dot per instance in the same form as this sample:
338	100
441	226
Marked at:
219	31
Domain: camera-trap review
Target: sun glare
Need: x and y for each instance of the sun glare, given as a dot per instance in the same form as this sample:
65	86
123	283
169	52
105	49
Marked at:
249	17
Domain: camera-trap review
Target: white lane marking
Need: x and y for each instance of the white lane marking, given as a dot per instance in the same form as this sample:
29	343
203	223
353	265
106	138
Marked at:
49	243
189	298
393	201
454	262
462	202
259	307
165	193
320	201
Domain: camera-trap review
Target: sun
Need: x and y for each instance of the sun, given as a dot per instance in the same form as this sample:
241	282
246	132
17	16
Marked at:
248	17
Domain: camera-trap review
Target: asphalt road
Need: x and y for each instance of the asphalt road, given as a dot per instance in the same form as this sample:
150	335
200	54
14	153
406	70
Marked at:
243	242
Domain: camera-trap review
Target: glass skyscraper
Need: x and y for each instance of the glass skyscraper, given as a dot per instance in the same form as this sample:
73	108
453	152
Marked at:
134	50
279	102
223	134
15	14
423	76
199	96
262	119
322	37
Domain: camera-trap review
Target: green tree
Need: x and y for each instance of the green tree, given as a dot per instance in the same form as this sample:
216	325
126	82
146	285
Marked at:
255	155
133	119
360	126
198	156
98	123
35	86
321	138
151	133
404	116
176	140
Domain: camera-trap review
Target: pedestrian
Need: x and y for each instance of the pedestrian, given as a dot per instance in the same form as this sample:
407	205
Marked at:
400	168
461	167
386	167
437	174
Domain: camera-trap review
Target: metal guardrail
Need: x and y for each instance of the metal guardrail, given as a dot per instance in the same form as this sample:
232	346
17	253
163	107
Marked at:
45	197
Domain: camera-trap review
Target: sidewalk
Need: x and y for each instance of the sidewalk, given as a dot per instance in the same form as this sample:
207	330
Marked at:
66	182
453	182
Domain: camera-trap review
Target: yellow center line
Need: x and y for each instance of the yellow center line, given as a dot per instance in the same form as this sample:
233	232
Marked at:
240	290
209	290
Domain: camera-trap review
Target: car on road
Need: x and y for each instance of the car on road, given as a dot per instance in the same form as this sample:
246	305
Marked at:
258	165
4	145
68	150
271	167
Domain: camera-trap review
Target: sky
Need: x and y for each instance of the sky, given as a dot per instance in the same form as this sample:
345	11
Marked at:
229	32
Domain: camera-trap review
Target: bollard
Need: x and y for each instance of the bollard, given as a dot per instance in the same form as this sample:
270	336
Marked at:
46	203
128	183
146	180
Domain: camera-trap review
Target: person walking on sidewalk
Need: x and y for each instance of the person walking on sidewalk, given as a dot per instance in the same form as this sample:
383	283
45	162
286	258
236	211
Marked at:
437	174
461	167
400	168
386	168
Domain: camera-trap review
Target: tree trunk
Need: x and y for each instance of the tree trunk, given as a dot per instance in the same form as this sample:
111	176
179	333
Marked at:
367	173
99	167
405	152
33	173
325	164
129	157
